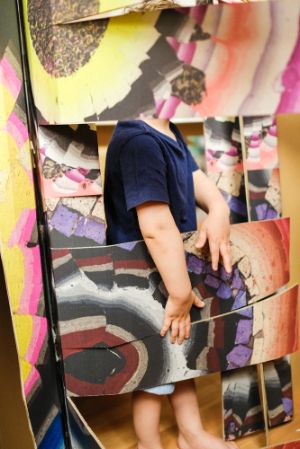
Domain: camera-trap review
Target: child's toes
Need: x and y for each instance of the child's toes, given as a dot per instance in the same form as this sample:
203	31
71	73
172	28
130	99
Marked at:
232	445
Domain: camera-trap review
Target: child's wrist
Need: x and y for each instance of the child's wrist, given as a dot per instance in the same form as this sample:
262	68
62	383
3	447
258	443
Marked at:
220	208
183	297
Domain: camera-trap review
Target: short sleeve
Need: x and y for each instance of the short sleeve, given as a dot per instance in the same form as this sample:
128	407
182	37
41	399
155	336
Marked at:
193	164
144	171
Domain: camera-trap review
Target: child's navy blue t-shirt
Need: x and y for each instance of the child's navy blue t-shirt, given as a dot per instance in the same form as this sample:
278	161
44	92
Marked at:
143	165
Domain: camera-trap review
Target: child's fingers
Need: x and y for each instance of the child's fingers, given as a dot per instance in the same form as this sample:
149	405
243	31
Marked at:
202	238
215	254
181	333
166	326
188	327
174	330
198	302
226	256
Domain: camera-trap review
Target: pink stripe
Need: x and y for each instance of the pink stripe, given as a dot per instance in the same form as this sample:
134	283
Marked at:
32	288
198	13
186	52
43	151
9	77
159	105
75	175
24	227
31	380
37	339
169	108
173	42
18	130
290	98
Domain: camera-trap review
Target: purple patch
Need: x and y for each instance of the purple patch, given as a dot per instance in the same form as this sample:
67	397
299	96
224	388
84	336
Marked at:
212	281
232	427
224	275
240	300
261	211
91	229
244	332
231	366
271	214
64	220
237	206
196	265
128	245
224	291
239	355
237	281
248	312
210	270
288	406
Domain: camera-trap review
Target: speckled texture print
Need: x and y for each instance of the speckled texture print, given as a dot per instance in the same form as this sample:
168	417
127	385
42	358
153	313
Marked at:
148	71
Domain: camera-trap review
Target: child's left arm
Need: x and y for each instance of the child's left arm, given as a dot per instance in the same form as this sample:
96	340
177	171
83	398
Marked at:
216	227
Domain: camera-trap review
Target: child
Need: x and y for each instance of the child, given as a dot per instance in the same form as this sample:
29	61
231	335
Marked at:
151	186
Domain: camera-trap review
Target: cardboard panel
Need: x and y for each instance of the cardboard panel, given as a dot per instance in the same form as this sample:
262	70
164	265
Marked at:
69	161
260	134
77	11
22	263
259	145
82	437
242	409
106	360
225	163
13	410
186	63
263	174
122	283
278	382
288	136
76	222
264	194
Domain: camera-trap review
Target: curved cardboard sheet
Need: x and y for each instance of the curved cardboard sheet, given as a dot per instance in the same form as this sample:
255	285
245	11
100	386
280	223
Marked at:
242	410
183	63
279	392
261	141
119	284
224	162
76	222
82	10
264	194
69	162
13	410
82	437
20	253
100	360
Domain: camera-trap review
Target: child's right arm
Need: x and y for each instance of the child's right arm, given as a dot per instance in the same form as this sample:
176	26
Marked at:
165	245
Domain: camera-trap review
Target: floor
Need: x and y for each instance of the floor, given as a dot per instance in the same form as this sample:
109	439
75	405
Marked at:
110	419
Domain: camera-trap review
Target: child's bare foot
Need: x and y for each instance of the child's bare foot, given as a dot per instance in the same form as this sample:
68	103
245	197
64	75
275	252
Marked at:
142	446
203	440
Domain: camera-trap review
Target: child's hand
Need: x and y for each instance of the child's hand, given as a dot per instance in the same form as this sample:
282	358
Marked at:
216	230
177	317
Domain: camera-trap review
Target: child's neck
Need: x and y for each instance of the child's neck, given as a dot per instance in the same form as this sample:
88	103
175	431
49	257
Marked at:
162	125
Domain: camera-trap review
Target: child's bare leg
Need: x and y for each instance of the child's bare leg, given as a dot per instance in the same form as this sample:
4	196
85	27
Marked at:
191	433
146	409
